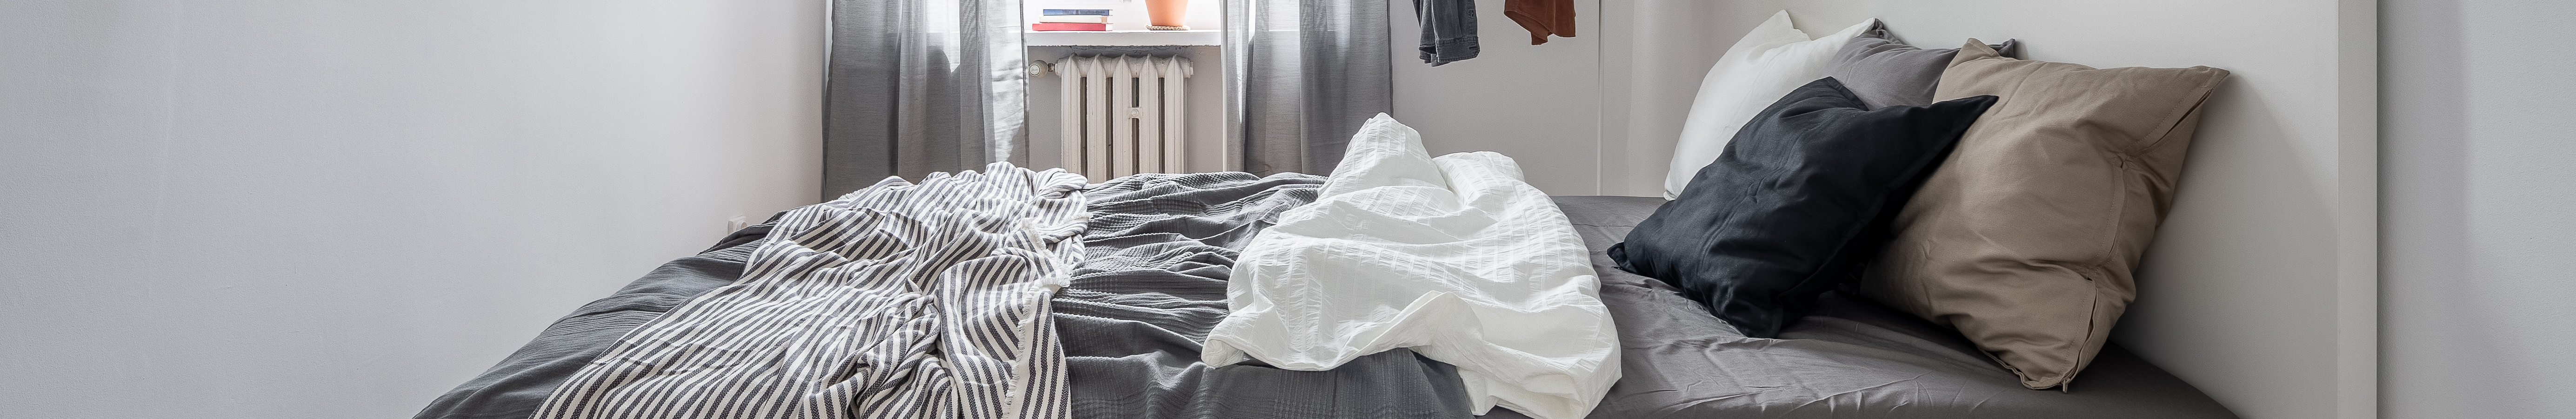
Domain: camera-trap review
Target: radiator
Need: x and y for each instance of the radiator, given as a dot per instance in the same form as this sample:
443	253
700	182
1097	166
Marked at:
1122	115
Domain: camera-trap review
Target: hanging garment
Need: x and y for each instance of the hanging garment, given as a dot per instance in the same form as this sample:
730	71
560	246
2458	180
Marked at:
1448	30
1542	17
895	301
1455	258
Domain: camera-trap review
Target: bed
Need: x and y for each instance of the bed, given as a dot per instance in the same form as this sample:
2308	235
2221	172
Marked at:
1756	288
1131	344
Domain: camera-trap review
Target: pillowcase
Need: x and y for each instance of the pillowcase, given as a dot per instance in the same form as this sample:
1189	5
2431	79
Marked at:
2025	239
1887	72
1765	64
1788	211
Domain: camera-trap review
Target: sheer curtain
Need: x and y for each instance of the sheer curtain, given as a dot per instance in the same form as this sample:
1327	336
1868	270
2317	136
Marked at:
918	86
1302	75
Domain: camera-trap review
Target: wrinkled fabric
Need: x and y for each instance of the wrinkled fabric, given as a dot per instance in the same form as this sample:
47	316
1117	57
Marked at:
920	86
1886	72
1448	30
1800	199
514	387
2029	237
1542	17
1455	258
1772	59
900	300
1160	248
1307	73
1849	359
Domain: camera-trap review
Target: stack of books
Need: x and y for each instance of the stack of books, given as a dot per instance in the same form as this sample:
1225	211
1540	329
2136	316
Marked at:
1072	20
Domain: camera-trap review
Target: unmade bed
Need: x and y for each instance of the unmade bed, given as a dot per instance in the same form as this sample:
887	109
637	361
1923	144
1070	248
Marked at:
1816	255
1159	249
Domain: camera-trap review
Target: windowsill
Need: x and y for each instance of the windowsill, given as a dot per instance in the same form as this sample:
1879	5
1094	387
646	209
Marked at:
1122	38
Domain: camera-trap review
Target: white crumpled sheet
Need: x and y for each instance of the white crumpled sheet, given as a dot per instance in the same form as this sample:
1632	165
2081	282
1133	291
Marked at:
1453	257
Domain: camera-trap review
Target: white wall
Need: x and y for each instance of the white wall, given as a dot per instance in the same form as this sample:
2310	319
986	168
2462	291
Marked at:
2480	138
2261	289
330	209
1549	95
1603	107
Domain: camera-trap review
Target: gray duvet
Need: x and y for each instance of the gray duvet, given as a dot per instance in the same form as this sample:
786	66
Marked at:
1160	249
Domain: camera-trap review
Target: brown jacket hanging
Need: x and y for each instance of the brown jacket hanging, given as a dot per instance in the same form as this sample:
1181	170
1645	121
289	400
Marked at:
1542	17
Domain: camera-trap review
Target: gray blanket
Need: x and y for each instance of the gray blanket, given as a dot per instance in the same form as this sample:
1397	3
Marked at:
514	388
1160	248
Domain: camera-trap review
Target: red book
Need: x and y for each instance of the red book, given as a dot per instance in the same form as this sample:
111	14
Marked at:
1043	26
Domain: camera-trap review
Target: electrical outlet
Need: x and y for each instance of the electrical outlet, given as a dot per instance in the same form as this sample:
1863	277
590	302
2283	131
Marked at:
737	223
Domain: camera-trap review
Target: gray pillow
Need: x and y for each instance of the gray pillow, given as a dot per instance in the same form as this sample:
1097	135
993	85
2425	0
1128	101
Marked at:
1886	72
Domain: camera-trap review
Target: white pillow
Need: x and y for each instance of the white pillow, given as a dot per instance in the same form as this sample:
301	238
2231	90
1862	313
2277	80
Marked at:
1769	62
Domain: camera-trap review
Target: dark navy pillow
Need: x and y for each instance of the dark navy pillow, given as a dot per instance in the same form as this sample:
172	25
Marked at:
1800	197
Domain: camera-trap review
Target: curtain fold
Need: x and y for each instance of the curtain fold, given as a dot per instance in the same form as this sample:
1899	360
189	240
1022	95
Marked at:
920	86
1302	75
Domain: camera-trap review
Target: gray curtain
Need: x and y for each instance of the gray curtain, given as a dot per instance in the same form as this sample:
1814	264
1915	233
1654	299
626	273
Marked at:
1304	74
920	86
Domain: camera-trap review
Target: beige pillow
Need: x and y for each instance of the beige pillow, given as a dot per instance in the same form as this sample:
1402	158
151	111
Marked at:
2025	238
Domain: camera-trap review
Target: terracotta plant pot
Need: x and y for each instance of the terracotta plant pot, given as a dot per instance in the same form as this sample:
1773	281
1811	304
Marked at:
1167	13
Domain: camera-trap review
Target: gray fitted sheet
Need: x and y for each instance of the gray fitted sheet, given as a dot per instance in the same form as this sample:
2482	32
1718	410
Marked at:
1849	359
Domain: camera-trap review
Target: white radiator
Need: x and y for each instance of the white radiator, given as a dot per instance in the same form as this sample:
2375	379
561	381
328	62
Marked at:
1122	115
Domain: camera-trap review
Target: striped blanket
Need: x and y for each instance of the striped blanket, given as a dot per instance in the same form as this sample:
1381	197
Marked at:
1157	250
895	301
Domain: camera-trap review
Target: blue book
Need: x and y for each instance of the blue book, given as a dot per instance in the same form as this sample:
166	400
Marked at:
1063	12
